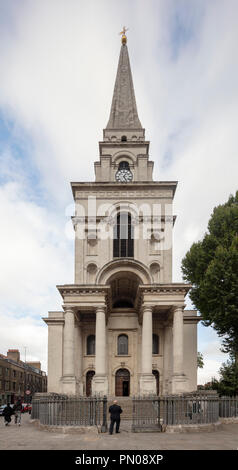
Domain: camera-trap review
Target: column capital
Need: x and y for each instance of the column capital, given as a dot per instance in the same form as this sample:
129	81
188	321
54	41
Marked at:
100	307
145	308
68	308
178	308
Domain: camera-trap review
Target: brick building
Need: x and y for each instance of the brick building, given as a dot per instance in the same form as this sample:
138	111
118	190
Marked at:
17	376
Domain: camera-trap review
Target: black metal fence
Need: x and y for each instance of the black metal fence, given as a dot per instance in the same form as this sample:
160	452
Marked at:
152	413
228	407
63	410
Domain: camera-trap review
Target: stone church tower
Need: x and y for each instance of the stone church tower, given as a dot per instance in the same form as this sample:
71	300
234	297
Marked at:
123	330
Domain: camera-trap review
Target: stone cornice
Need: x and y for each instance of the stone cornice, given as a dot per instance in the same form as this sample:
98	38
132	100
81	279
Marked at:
165	288
79	289
53	321
134	186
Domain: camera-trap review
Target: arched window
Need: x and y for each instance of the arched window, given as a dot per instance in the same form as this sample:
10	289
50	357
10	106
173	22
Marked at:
155	349
123	242
91	345
122	345
123	138
123	166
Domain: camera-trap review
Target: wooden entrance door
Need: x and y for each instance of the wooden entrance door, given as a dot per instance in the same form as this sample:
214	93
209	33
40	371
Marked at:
122	385
89	377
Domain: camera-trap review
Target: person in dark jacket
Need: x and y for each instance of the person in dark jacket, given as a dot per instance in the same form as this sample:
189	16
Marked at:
7	413
17	409
115	412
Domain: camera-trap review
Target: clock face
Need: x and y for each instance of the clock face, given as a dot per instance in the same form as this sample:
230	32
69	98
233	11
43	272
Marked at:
124	176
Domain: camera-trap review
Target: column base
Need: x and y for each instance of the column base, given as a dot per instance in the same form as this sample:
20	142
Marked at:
100	385
147	384
69	385
179	384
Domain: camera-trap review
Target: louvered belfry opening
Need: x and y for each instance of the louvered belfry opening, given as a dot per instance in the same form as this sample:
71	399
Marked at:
123	236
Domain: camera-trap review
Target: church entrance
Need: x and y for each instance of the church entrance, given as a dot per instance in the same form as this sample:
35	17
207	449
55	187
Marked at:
89	377
122	385
156	374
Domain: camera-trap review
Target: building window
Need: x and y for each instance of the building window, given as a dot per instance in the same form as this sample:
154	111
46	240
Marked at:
122	345
155	349
124	138
123	242
91	345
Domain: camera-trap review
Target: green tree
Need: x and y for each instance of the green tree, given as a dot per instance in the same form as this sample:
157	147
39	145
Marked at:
228	383
200	362
211	266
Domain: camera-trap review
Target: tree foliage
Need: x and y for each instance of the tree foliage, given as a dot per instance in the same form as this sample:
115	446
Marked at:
211	266
200	362
228	383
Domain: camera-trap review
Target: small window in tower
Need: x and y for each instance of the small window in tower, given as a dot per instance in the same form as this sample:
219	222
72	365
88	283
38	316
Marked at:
124	138
155	344
123	166
122	345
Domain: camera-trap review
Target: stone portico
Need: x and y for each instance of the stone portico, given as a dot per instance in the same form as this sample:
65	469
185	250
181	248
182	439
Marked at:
123	329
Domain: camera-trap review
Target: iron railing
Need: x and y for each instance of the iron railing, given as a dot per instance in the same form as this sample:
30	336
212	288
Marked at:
149	412
228	407
63	410
153	412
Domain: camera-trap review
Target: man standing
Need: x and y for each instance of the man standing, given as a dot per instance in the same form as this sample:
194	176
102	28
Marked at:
115	411
18	408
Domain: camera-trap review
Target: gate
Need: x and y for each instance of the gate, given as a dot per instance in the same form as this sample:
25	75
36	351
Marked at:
151	412
146	414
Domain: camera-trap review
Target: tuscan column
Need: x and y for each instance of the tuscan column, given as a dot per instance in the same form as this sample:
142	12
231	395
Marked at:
178	341
146	365
68	353
100	359
100	379
147	379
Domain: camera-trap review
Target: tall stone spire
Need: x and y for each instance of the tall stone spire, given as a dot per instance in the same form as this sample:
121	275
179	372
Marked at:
123	113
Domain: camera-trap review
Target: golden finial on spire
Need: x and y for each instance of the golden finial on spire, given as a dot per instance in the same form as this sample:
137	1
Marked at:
123	35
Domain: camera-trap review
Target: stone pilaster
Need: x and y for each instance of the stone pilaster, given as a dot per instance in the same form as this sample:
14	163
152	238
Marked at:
68	380
78	357
179	379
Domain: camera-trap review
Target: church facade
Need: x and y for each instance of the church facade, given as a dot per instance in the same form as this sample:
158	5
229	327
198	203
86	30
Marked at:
123	329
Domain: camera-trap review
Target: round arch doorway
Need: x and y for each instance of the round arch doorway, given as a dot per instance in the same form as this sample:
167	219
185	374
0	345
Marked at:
122	383
156	374
89	377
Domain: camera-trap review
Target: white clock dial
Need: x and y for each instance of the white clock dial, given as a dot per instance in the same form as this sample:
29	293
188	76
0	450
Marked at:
124	176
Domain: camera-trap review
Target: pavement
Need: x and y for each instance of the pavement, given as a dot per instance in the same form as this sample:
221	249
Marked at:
30	437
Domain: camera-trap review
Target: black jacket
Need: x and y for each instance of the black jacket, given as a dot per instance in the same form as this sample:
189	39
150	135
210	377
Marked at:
8	411
115	411
18	406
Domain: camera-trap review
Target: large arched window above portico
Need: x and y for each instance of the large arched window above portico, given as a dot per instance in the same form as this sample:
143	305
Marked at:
123	236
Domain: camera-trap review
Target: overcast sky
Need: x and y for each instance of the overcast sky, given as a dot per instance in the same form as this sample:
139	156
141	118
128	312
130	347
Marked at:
58	62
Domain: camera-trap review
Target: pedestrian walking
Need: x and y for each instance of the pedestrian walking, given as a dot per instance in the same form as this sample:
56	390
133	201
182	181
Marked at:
115	412
7	413
18	409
